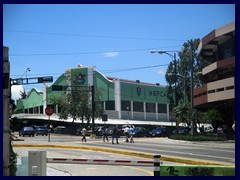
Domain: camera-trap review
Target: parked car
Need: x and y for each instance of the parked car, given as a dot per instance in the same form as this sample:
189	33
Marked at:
27	130
43	130
140	132
182	130
160	132
206	129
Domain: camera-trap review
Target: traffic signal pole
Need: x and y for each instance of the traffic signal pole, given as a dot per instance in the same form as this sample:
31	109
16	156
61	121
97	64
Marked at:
93	108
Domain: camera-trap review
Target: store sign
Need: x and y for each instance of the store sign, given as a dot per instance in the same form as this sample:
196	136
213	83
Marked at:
80	78
157	93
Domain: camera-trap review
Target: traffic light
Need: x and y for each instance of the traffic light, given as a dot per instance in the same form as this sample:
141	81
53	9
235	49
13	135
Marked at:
57	88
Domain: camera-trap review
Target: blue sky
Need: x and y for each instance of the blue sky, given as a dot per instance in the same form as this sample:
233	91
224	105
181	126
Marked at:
49	39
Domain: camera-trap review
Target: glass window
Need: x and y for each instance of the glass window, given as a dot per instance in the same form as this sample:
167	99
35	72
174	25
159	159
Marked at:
125	105
150	107
138	106
162	108
110	105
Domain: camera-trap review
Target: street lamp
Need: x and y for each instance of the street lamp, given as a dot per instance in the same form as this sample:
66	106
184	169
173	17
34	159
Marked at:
27	70
175	67
175	72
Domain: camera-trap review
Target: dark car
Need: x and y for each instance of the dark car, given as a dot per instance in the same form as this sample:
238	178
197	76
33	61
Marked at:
140	132
160	132
27	130
43	130
182	130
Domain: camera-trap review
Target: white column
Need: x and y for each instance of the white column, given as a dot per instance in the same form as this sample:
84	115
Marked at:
144	110
90	75
117	95
57	109
44	97
132	109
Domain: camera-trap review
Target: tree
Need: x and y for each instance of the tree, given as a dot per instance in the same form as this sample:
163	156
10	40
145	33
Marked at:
215	116
76	102
183	68
181	113
23	94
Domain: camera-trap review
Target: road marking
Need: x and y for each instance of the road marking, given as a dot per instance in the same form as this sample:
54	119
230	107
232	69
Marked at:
140	169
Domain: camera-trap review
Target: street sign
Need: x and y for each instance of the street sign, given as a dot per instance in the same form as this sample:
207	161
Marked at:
49	110
45	79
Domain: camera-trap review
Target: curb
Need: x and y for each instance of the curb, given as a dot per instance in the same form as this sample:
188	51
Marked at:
130	153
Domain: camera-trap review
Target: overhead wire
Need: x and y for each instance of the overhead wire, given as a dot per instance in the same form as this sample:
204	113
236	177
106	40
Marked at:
92	36
85	53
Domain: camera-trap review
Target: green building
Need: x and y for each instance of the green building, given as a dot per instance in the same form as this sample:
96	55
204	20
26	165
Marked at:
121	98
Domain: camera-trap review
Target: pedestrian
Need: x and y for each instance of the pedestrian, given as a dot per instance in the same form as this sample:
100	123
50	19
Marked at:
233	126
104	130
84	132
51	127
131	133
115	134
126	133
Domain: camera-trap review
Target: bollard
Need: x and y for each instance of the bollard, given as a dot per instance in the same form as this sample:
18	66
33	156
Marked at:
37	163
157	165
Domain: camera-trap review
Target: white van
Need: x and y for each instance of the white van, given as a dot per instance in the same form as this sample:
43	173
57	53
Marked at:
208	128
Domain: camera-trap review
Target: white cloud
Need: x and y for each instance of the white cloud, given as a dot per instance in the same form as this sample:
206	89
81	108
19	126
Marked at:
111	54
161	72
16	91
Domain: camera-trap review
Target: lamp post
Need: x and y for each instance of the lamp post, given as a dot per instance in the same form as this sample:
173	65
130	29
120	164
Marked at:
175	72
27	70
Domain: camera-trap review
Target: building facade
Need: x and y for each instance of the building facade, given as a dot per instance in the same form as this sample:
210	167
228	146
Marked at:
218	91
120	98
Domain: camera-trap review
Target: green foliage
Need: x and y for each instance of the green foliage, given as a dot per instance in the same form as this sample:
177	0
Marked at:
215	116
184	68
23	94
12	158
77	103
181	113
188	137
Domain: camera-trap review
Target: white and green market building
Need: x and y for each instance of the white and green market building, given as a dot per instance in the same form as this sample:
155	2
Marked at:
124	101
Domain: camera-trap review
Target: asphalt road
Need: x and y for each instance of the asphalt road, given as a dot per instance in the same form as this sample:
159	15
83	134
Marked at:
223	152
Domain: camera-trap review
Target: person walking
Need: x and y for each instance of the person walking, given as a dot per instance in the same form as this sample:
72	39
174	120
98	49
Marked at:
126	133
115	134
131	133
84	132
104	130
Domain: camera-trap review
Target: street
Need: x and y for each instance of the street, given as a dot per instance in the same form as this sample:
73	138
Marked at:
222	152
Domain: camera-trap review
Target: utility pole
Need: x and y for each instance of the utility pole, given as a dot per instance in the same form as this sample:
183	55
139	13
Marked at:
93	108
6	105
192	103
